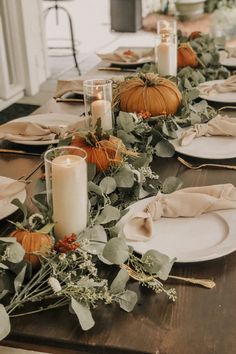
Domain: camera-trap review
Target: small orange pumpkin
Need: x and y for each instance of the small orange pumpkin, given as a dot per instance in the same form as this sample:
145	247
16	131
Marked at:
149	93
33	242
186	56
194	35
103	154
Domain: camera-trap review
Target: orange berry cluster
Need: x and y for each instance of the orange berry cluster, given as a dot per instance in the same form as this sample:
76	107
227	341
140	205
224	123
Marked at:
67	244
145	114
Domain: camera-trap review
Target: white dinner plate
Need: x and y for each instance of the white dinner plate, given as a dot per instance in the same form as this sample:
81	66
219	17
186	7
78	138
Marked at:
226	97
209	147
205	237
9	208
50	119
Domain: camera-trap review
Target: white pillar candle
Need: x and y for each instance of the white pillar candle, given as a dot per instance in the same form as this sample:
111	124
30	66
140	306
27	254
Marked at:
102	109
69	194
166	59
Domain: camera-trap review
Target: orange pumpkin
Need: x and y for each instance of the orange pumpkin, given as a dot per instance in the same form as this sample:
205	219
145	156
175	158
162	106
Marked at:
149	93
186	56
33	242
103	154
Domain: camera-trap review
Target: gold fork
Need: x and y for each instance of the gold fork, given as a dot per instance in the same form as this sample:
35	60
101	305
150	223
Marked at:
207	283
196	167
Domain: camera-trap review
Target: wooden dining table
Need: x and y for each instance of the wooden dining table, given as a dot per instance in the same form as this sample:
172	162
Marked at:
200	321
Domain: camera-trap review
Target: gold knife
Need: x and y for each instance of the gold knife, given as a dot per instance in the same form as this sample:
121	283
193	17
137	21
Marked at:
20	152
107	68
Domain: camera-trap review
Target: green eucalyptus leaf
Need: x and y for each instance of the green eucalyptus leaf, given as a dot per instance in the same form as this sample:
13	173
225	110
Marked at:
108	214
119	283
95	233
128	300
143	159
91	171
3	294
22	208
171	184
3	266
19	279
46	229
15	252
114	198
108	185
7	281
40	201
92	187
127	138
83	314
157	263
5	325
116	250
164	149
126	122
124	177
8	239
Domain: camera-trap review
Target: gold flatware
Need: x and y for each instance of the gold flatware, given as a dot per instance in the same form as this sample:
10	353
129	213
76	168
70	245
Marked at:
196	167
206	283
107	68
20	152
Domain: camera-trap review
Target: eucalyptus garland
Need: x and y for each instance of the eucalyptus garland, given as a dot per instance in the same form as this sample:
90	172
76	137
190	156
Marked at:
71	273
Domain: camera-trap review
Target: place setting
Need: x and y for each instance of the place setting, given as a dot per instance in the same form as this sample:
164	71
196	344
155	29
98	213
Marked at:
41	129
175	224
126	59
212	140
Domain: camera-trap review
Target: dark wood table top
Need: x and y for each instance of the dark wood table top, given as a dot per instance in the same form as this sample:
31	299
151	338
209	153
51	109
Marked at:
201	321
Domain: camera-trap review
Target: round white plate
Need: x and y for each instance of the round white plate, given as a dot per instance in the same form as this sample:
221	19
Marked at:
226	97
9	208
50	119
209	147
208	236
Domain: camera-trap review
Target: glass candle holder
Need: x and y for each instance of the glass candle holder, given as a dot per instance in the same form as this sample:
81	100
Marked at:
66	184
166	54
98	102
165	27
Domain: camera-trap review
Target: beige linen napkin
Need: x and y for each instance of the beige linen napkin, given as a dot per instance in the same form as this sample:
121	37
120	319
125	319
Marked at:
65	86
127	56
220	125
10	190
30	131
228	85
187	202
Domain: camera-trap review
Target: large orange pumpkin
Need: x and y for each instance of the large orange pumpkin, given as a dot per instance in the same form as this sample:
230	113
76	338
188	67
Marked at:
33	242
103	154
149	93
186	56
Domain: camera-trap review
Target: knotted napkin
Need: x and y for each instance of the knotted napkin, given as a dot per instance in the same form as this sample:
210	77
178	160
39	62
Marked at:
66	86
220	125
228	85
9	190
187	202
32	131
